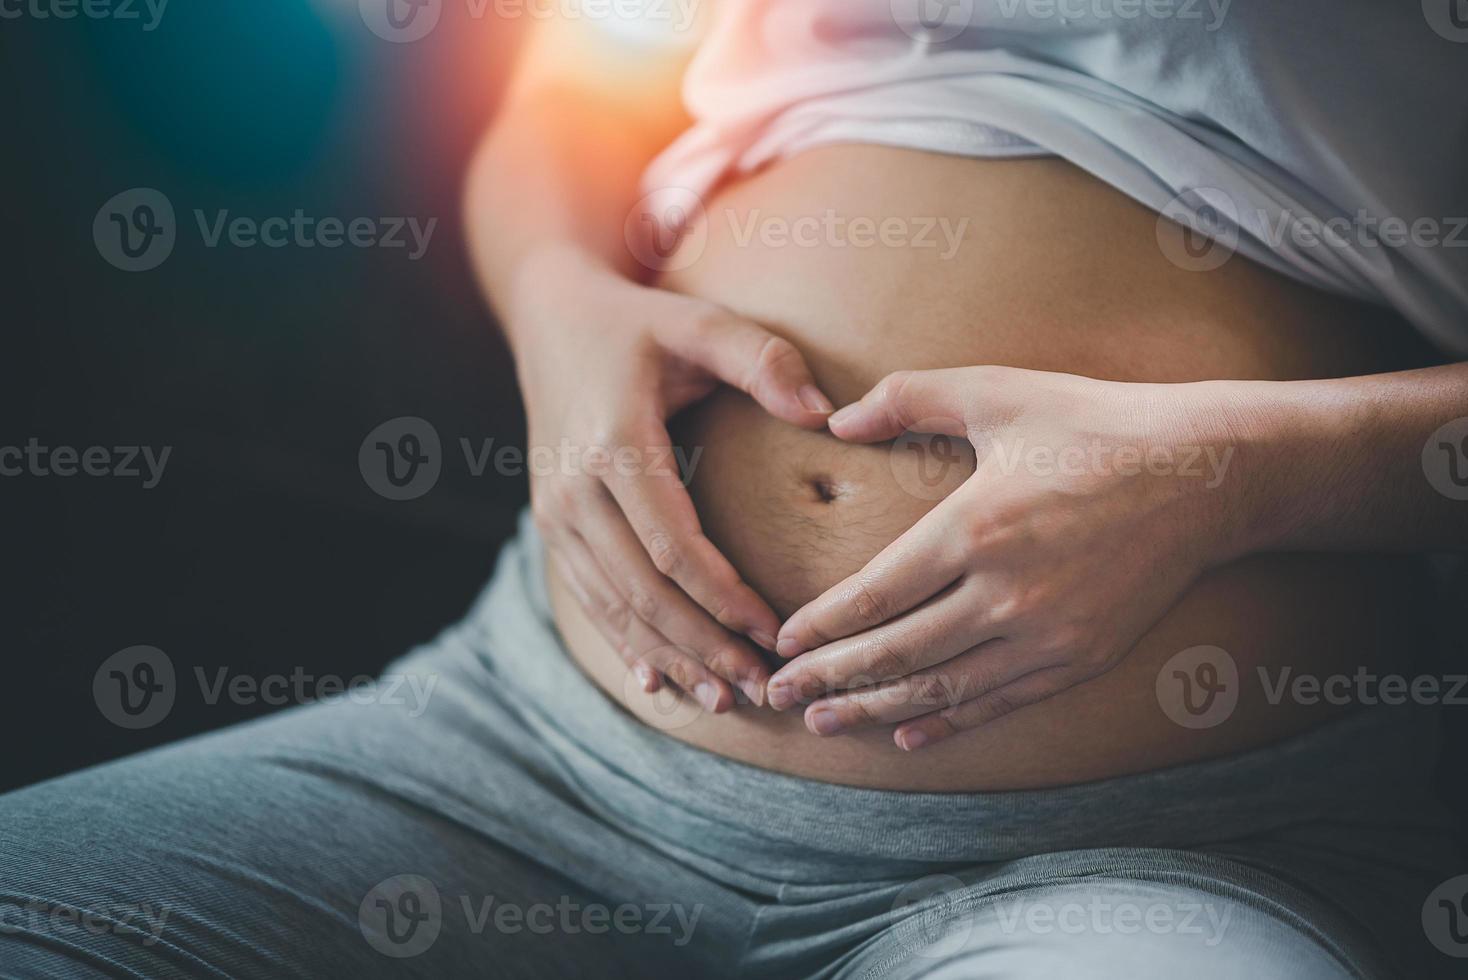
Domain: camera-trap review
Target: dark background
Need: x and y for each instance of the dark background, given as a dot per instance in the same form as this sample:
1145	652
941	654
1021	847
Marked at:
262	549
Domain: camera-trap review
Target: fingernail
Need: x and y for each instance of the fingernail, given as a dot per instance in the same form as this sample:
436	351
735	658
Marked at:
845	414
788	648
762	638
811	397
780	695
753	689
647	678
707	695
823	721
912	740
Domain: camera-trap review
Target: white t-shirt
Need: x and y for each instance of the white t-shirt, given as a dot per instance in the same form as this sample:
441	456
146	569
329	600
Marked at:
1327	139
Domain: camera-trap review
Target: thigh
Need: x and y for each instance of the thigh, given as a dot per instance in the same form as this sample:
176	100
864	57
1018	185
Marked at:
1092	929
349	839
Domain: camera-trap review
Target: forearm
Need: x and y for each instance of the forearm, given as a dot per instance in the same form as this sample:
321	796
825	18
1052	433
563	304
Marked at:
550	188
532	195
1339	464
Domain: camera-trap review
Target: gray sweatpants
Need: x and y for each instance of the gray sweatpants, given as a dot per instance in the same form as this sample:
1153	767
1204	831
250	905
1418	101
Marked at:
499	817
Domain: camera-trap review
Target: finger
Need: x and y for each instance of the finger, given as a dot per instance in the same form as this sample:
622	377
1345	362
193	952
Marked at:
643	649
659	603
657	506
601	603
920	563
931	401
985	667
768	368
1027	690
938	630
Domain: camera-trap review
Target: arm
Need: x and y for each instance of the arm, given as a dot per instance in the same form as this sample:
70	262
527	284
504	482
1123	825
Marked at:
1042	571
556	175
1349	464
604	361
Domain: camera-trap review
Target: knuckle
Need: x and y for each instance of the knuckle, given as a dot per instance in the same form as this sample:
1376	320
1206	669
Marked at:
776	352
1006	608
928	690
890	392
725	660
549	504
859	711
998	703
666	554
892	384
684	674
723	614
975	535
886	658
1069	642
949	724
618	616
868	603
706	320
643	603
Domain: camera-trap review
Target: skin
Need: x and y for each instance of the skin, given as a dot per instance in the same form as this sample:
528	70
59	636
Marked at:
1019	586
559	174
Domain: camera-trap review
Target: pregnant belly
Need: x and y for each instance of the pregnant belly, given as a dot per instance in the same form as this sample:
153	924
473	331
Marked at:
1051	270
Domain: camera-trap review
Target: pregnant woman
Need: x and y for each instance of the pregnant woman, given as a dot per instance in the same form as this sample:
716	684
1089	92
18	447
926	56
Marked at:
1148	414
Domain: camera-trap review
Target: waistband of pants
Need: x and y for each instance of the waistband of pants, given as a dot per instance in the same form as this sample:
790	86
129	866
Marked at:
1373	766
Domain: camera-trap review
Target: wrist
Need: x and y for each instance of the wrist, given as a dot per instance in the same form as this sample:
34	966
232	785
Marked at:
1275	436
543	281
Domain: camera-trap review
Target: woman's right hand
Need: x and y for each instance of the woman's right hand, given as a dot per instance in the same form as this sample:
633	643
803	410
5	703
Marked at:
604	362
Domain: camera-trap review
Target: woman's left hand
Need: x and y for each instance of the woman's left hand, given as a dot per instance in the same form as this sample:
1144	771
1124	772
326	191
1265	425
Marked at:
1094	505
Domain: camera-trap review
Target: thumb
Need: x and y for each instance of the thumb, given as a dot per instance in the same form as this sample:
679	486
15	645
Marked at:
922	401
764	366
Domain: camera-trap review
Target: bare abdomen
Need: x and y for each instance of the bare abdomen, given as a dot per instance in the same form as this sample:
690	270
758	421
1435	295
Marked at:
1054	271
